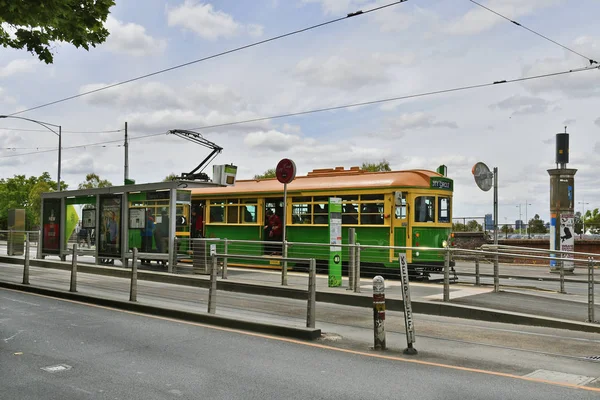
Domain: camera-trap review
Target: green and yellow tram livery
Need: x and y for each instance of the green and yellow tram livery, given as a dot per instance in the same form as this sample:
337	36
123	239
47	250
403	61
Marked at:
398	208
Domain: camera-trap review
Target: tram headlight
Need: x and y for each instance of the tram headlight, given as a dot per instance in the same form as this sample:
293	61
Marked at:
445	244
416	254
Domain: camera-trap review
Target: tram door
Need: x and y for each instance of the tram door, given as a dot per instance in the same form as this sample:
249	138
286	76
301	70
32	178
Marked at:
273	231
198	217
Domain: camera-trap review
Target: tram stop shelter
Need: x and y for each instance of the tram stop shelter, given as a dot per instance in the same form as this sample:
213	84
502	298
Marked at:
116	219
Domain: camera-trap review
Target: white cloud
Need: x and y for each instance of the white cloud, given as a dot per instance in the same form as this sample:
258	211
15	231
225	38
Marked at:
338	6
419	120
19	66
85	163
478	20
207	22
523	105
130	38
597	121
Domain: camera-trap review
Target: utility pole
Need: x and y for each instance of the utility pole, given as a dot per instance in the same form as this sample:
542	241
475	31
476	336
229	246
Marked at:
583	204
520	220
126	178
526	220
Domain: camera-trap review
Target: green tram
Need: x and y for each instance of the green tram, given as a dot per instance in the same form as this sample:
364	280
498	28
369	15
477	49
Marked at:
398	208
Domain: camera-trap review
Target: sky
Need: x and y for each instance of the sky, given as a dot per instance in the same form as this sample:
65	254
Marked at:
406	49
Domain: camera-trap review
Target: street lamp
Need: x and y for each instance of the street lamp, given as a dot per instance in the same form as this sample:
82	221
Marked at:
526	220
583	204
47	126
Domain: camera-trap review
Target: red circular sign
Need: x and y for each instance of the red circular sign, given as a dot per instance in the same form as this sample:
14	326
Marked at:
285	171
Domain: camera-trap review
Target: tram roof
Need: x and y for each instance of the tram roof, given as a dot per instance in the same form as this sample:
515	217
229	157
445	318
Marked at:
329	179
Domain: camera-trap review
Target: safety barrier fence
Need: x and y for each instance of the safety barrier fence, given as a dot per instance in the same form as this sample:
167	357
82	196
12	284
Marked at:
362	260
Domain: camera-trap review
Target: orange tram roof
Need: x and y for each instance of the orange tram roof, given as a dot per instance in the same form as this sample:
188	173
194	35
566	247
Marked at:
326	180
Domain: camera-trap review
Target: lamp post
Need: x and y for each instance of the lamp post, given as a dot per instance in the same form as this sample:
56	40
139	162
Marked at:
583	204
520	220
47	126
526	220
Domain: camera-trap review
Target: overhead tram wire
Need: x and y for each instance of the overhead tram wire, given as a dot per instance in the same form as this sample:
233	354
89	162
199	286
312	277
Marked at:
247	46
43	130
81	146
365	103
589	59
406	97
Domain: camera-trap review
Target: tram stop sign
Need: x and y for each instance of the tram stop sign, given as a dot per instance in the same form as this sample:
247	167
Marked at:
285	171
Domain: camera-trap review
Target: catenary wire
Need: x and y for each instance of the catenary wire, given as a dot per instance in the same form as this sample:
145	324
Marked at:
44	130
365	103
271	39
589	59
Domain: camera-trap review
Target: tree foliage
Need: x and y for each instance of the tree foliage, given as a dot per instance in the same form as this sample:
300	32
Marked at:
171	177
270	173
470	226
93	181
35	25
22	192
537	225
383	165
592	221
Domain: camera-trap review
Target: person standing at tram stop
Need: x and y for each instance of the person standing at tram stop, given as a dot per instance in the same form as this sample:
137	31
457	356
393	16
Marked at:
274	231
148	232
197	223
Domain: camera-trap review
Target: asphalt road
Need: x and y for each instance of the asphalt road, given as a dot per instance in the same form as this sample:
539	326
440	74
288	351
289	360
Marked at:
51	349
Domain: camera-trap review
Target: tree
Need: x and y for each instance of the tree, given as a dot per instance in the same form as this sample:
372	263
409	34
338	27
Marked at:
458	227
506	229
537	225
473	226
578	228
592	221
270	173
171	177
383	165
37	24
93	181
22	192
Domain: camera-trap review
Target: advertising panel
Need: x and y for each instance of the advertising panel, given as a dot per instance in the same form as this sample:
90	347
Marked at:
110	226
51	226
567	238
137	218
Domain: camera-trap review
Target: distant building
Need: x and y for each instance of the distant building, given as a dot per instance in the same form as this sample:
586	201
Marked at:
489	222
519	224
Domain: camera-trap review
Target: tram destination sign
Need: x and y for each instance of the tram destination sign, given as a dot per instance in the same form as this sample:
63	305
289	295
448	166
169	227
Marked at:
436	182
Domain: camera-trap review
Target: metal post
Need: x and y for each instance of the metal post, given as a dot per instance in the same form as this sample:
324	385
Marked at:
74	270
284	271
477	277
496	268
126	146
38	254
379	313
447	275
312	294
26	264
562	276
351	257
225	251
133	288
59	156
496	273
591	290
357	270
212	291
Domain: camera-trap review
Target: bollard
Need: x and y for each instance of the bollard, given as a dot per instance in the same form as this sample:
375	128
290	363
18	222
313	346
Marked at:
477	277
74	270
133	287
496	273
357	269
379	313
312	294
351	257
212	290
447	274
284	276
562	276
26	262
38	253
225	251
591	317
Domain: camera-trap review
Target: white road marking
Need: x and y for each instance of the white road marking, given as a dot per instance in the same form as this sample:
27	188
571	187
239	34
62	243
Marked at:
560	377
57	368
465	292
9	338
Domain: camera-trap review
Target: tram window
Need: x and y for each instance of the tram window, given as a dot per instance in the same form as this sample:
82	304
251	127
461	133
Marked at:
232	214
401	210
350	213
321	213
424	209
444	209
216	213
248	214
371	213
301	214
367	197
